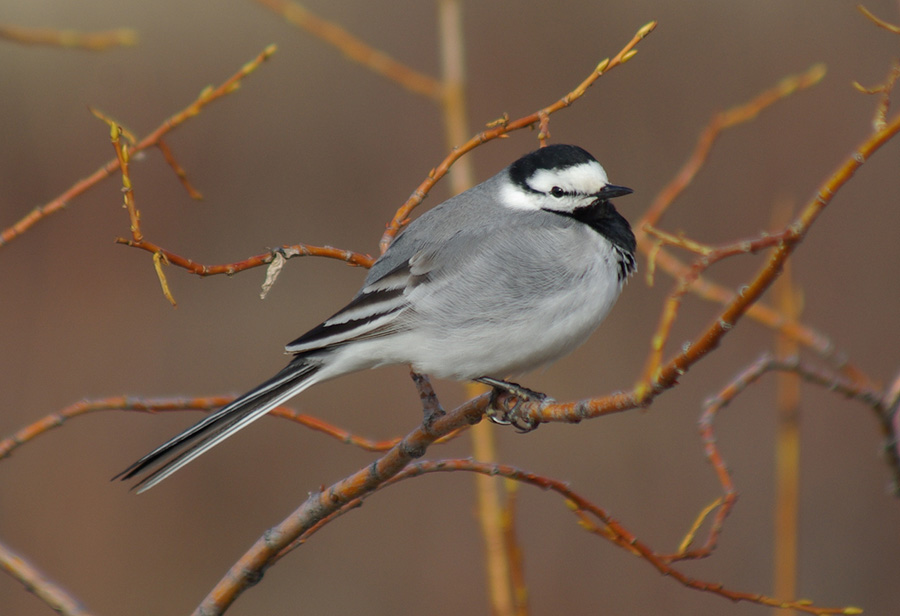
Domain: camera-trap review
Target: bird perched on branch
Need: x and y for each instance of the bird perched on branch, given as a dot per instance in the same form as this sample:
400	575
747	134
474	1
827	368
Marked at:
505	277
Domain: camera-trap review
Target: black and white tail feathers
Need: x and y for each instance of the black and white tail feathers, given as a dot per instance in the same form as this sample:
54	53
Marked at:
371	314
294	378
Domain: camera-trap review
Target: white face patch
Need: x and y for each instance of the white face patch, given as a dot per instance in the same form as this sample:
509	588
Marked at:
517	198
585	179
579	182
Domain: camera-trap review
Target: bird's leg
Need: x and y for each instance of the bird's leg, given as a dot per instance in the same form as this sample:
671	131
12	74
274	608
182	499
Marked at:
499	410
431	406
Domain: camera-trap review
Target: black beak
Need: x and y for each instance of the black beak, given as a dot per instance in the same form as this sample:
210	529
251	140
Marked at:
609	191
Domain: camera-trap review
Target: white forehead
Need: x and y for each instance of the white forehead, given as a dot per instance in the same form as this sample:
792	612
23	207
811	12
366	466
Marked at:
585	178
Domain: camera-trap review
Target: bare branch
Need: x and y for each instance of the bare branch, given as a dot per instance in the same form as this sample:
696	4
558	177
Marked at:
355	49
207	96
401	217
36	582
72	39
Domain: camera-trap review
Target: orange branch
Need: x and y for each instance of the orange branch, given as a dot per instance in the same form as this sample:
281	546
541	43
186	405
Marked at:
39	584
497	130
611	529
295	250
754	372
721	121
90	41
708	340
355	49
207	96
710	291
878	22
178	170
168	405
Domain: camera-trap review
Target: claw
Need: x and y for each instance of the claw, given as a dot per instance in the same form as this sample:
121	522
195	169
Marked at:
501	412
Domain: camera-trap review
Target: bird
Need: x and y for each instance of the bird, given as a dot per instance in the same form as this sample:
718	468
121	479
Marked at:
498	280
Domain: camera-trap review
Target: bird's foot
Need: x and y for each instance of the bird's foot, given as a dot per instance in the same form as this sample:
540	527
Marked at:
508	404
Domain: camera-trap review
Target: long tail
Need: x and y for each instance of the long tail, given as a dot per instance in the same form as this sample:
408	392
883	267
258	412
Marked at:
212	430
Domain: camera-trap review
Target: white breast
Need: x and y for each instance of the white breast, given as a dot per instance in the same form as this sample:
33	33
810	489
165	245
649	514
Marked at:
484	324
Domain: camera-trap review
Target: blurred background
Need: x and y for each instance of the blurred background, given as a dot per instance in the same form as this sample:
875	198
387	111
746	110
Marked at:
316	149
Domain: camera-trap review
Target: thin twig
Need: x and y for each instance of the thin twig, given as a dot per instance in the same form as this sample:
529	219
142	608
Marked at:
296	250
168	405
71	39
878	22
884	89
327	502
702	287
709	255
355	49
613	530
178	170
207	96
401	217
738	114
765	364
787	437
34	581
461	176
668	375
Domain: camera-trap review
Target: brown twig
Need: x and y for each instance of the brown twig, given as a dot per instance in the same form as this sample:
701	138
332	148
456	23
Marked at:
178	170
397	464
609	529
127	189
166	405
71	39
355	49
885	89
401	217
48	591
668	375
207	96
327	502
709	255
878	22
788	297
498	538
702	287
765	364
515	555
323	504
738	114
295	250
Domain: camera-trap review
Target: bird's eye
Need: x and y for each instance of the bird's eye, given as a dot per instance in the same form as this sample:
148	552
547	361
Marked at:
557	192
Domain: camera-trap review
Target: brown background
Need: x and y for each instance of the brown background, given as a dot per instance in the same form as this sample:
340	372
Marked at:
315	149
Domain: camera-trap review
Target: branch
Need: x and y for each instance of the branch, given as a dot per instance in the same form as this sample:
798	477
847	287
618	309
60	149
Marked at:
36	582
667	377
357	50
497	130
357	259
207	96
332	502
878	22
735	116
709	255
766	363
702	287
167	405
72	39
610	529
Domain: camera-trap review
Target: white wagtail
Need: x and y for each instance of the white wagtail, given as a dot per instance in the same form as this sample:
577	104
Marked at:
505	277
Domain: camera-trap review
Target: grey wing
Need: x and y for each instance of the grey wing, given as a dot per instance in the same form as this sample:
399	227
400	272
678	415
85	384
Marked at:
373	312
379	307
436	241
